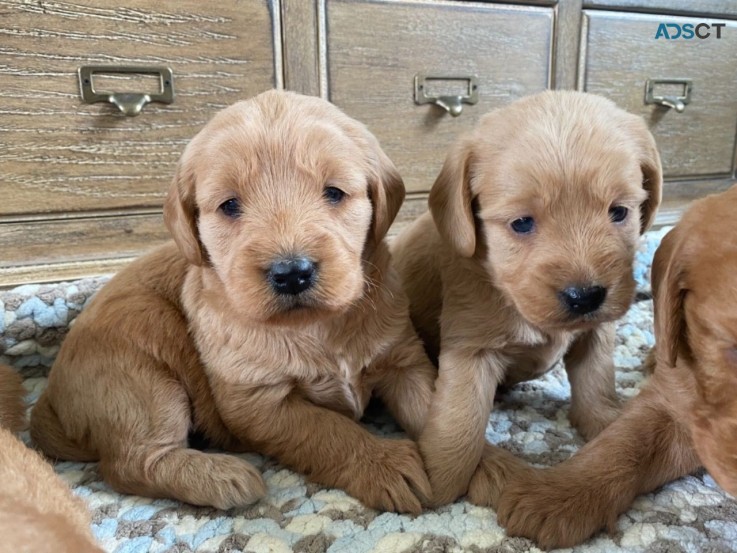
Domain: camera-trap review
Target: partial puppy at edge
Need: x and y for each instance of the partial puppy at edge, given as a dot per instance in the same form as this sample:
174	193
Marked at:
38	512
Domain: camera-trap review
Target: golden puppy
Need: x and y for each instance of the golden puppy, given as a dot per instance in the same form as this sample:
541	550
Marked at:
525	259
686	414
38	513
266	327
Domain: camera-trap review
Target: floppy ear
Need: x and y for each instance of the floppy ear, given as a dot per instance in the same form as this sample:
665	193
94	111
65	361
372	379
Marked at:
450	201
652	173
180	213
668	291
386	189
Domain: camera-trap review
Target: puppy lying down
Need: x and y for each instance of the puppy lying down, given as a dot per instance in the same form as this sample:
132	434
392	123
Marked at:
38	512
525	258
266	326
686	414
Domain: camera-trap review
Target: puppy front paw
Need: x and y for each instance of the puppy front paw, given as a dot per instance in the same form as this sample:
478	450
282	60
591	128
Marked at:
554	508
496	467
391	478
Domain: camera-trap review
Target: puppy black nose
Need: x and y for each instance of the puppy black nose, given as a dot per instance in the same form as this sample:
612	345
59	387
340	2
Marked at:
581	300
292	276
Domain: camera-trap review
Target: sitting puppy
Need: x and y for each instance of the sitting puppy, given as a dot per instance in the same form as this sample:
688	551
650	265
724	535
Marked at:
686	414
38	513
266	327
524	259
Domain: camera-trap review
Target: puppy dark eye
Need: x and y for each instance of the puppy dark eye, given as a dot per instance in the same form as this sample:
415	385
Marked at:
333	195
523	225
231	208
618	213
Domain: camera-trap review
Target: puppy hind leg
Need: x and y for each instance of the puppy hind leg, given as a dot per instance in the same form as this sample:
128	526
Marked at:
207	479
148	455
49	435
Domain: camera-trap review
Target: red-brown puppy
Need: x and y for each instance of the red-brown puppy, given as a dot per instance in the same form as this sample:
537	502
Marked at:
266	327
524	259
686	414
38	513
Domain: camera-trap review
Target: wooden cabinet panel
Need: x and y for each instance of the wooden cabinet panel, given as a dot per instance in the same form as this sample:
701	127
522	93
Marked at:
69	248
375	48
59	155
719	8
620	54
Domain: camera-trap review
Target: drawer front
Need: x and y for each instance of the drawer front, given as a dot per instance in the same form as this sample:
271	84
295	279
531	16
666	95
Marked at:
59	155
56	249
620	53
375	48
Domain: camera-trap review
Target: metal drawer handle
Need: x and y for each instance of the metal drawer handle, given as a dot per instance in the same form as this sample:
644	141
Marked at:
453	104
678	103
129	103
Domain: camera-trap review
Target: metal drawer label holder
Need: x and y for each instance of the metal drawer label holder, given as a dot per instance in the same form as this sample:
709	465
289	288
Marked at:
453	104
678	103
129	103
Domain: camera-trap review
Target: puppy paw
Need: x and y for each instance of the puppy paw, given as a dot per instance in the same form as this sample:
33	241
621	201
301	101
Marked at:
226	482
497	466
553	508
391	478
238	483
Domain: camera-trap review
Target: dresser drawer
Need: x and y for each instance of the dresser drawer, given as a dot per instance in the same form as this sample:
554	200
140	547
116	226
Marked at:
56	249
64	162
619	54
60	155
375	49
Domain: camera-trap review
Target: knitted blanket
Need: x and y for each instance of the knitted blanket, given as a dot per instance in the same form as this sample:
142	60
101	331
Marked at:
689	515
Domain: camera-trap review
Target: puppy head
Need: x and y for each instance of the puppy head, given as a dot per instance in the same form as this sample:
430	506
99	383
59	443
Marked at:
285	197
551	193
695	286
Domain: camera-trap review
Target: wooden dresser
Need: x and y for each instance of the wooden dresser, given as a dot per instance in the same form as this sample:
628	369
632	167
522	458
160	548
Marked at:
81	185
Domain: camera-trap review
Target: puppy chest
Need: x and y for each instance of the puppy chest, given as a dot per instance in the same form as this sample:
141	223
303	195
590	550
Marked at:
342	388
528	362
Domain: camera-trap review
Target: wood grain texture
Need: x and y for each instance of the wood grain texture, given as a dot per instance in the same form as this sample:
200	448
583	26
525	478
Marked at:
83	239
622	53
59	272
567	38
301	71
717	8
374	50
59	155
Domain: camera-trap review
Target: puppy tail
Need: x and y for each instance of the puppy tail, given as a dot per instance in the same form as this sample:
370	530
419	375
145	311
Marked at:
12	404
48	434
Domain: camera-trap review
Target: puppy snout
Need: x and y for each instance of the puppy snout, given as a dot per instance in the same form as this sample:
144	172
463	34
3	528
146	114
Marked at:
292	276
582	300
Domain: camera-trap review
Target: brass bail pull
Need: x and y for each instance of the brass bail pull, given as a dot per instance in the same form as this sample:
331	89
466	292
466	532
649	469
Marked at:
452	103
677	102
130	104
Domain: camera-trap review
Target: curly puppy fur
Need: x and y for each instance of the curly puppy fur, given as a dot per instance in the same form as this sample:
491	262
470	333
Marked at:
535	212
686	414
38	513
197	336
